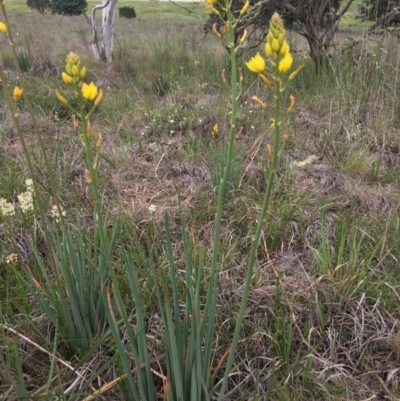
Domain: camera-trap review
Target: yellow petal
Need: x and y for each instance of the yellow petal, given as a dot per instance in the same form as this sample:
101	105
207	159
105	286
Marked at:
17	93
89	92
3	28
268	50
256	64
285	63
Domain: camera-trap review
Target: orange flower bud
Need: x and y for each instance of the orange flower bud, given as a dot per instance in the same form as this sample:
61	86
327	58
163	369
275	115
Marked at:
266	81
74	122
286	132
270	155
293	75
223	76
215	30
89	179
99	98
88	130
259	102
290	108
61	98
99	140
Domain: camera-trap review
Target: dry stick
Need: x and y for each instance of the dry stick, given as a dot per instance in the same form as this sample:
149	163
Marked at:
112	384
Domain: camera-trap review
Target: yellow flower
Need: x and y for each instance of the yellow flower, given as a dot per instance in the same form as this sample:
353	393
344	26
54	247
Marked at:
3	28
285	63
89	92
66	78
256	64
211	1
17	93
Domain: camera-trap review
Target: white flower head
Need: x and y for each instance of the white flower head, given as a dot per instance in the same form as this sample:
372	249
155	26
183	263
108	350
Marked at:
11	258
29	185
56	215
7	209
26	201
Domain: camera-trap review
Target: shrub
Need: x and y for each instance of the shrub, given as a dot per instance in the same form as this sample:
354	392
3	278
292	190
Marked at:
42	6
127	12
69	7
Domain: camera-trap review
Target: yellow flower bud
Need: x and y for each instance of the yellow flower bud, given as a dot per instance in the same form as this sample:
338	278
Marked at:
211	1
61	98
294	74
66	78
285	63
270	155
244	36
3	28
245	7
89	92
75	71
74	122
240	74
284	49
275	45
268	50
214	10
17	93
82	72
99	98
259	102
256	64
286	132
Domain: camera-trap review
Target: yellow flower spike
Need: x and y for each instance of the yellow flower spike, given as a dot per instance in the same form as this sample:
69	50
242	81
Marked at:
240	74
291	105
214	10
266	81
66	78
285	63
270	155
223	76
256	64
259	102
294	74
74	122
244	36
215	130
214	29
99	140
89	92
88	129
99	98
245	7
89	179
17	93
60	97
3	28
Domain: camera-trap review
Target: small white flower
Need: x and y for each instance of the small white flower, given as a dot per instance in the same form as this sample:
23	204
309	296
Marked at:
172	131
26	201
11	258
152	208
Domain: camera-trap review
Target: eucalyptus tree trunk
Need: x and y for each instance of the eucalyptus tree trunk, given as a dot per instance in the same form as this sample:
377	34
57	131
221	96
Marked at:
104	51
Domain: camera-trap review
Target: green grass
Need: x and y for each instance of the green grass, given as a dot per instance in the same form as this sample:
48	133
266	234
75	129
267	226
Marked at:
322	321
185	12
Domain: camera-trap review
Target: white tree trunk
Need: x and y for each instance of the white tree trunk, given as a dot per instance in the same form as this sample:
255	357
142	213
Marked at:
105	52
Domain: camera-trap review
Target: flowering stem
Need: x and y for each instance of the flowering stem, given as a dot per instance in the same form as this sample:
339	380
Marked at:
256	238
